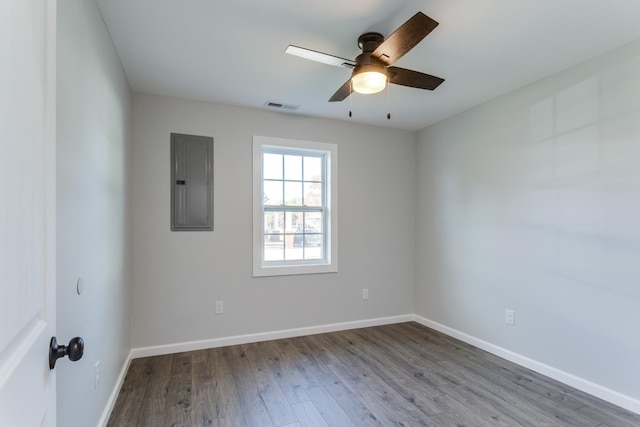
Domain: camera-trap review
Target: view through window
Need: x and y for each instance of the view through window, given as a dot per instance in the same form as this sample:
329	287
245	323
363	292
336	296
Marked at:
293	204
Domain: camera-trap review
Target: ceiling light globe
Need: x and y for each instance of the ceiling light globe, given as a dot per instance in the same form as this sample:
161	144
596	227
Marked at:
368	82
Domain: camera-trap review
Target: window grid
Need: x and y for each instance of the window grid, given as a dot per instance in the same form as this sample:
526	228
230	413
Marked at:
305	233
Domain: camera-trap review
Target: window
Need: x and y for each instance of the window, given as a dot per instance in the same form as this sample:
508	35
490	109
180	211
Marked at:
294	207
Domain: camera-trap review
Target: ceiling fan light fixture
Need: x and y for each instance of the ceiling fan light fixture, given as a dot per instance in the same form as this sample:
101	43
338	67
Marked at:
368	81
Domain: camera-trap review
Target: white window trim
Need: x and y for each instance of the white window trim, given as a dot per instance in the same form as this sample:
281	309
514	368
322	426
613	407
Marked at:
331	263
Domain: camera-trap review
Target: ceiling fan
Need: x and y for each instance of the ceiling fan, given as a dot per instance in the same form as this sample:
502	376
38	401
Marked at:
372	69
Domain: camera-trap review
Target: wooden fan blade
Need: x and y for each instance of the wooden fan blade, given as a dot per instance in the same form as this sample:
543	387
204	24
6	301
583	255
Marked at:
325	58
404	77
405	38
342	93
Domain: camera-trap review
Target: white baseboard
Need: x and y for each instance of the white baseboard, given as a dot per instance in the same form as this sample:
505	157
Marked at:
265	336
604	393
589	387
106	413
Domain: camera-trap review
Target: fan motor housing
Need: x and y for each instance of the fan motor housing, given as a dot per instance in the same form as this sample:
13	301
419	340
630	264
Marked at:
368	42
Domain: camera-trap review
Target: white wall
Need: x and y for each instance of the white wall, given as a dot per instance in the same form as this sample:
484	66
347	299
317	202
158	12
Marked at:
93	137
177	276
532	202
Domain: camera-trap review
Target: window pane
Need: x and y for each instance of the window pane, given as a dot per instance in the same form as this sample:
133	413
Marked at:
314	247
312	194
293	193
293	221
274	223
294	252
312	169
293	168
313	222
293	240
273	251
272	193
272	166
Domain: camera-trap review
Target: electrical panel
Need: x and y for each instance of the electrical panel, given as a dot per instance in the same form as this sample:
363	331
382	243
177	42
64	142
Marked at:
191	182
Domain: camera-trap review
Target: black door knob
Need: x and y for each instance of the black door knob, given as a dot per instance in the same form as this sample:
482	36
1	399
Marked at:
74	350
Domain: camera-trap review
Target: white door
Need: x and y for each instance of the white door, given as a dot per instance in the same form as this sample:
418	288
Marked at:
27	211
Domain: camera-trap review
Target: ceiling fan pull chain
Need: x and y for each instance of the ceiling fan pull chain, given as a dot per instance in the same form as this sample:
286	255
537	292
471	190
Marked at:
388	100
350	92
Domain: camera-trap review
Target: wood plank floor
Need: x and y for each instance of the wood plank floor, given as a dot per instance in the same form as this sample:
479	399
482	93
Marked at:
395	375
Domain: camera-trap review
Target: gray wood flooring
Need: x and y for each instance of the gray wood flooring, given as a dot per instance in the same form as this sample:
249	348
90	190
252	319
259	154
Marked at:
394	375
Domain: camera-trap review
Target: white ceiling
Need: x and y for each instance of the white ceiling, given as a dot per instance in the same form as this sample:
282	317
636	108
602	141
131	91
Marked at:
232	51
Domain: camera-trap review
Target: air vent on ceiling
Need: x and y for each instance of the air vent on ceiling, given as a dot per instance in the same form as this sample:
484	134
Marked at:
281	106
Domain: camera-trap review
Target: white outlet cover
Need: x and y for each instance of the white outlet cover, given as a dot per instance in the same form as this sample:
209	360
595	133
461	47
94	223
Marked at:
510	317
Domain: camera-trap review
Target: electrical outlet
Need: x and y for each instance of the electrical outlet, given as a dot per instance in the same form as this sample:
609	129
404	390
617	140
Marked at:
219	307
96	375
365	294
509	317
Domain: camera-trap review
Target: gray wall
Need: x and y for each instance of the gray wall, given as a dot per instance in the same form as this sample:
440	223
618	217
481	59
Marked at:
93	142
178	275
532	202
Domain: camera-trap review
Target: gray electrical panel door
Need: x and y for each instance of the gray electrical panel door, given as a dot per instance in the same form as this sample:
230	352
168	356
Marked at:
191	182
